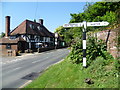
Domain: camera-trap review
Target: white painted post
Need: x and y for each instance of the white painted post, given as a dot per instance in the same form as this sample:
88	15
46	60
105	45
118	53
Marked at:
84	43
56	40
29	45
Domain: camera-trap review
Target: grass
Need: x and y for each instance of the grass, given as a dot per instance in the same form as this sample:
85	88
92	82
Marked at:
69	75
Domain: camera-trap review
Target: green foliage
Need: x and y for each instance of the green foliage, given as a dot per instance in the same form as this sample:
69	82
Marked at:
70	35
118	15
77	17
76	53
95	48
117	64
2	35
99	11
109	16
60	30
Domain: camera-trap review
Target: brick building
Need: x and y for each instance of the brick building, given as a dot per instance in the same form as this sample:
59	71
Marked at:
29	35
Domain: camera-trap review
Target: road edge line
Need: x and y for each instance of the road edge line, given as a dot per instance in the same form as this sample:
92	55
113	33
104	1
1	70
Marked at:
25	84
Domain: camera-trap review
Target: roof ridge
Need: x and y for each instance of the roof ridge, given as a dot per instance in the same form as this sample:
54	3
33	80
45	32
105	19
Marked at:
32	21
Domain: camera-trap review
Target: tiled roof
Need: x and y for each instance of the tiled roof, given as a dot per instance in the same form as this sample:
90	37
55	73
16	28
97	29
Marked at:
8	40
25	28
21	29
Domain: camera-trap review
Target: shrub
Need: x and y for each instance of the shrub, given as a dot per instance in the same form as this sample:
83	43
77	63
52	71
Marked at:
95	48
76	52
117	64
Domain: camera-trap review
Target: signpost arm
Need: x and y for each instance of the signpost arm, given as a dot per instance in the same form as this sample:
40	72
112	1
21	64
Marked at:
84	43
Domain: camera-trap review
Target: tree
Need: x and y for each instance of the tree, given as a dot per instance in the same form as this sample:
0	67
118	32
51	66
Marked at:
60	30
2	35
118	15
94	12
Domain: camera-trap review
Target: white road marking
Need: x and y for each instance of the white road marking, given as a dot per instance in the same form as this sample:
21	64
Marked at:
25	84
35	61
47	57
39	60
13	70
17	68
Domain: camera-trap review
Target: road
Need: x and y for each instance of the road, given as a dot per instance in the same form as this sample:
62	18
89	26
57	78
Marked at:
15	69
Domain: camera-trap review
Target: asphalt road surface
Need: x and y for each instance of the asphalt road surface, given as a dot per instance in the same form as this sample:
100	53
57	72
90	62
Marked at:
14	69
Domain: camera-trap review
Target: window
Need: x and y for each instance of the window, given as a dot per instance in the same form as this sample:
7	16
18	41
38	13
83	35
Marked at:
31	36
51	39
12	37
8	46
45	38
30	25
39	28
41	38
33	27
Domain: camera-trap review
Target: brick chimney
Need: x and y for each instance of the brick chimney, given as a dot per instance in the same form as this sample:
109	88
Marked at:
7	26
41	21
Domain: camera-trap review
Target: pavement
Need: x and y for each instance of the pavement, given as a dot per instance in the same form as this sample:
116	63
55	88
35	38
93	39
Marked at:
15	69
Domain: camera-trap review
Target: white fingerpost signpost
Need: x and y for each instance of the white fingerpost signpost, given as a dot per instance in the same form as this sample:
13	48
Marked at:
85	24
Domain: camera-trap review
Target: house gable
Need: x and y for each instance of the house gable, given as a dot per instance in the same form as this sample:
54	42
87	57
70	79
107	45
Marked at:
21	29
32	28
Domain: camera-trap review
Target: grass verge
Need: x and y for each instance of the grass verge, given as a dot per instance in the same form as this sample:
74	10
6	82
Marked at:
69	75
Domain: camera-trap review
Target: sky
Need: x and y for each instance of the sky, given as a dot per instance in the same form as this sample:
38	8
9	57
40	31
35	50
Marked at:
54	14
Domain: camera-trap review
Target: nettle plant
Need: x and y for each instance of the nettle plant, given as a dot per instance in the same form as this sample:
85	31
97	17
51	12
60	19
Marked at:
94	49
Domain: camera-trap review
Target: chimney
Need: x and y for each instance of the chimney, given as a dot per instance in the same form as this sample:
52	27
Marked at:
7	26
41	21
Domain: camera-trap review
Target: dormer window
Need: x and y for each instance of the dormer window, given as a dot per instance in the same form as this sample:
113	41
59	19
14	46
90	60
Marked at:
30	25
38	27
33	27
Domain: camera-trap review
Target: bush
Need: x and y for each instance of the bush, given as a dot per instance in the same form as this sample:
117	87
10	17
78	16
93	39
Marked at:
95	48
76	53
117	64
